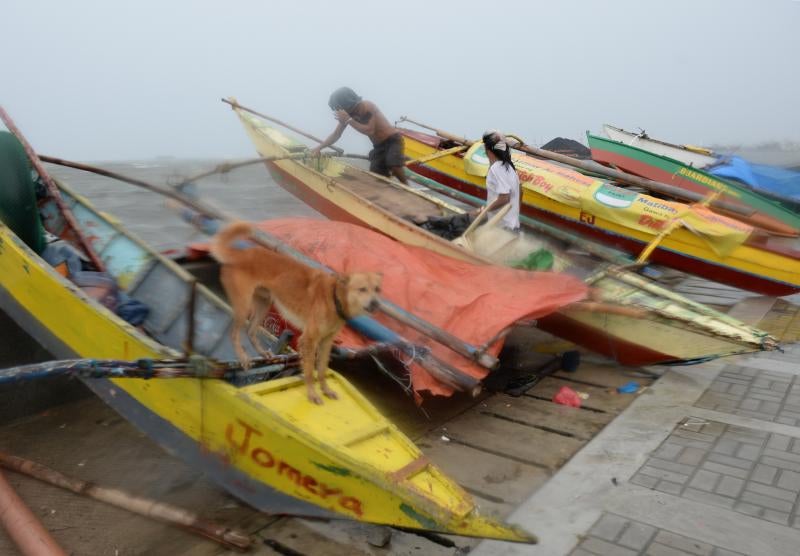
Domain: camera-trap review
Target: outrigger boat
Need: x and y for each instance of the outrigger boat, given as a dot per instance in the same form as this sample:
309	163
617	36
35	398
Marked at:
747	181
691	155
645	157
263	441
668	328
592	207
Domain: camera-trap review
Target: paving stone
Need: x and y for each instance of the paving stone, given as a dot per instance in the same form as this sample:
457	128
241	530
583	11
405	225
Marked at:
668	475
729	486
670	466
599	546
685	544
608	527
726	469
749	509
787	456
644	480
709	498
790	480
779	442
692	456
669	488
766	474
776	517
748	452
581	552
767	502
705	480
731	461
774	492
781	463
726	446
669	451
637	535
751	405
689	435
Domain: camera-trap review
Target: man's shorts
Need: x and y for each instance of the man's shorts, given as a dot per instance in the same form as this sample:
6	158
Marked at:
386	155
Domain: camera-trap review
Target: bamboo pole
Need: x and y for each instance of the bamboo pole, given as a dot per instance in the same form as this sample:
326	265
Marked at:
135	504
596	168
25	530
235	105
228	167
52	189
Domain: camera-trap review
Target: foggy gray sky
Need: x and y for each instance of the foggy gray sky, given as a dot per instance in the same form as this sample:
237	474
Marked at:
101	80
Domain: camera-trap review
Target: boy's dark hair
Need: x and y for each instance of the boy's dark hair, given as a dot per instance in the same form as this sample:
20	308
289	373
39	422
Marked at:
495	142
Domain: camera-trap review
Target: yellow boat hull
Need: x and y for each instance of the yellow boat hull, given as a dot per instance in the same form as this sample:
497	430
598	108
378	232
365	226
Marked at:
265	443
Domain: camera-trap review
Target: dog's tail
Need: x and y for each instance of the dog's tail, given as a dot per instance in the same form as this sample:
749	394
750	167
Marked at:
221	245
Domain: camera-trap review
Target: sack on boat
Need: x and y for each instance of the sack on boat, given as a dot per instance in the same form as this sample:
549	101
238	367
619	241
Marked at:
132	310
97	285
63	257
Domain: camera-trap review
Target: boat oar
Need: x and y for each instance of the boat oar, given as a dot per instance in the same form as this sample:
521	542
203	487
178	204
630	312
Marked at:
53	191
27	532
596	168
208	219
235	105
190	521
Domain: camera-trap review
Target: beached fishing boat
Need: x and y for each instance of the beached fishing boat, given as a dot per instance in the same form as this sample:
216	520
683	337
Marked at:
646	158
778	184
625	220
669	328
696	157
263	441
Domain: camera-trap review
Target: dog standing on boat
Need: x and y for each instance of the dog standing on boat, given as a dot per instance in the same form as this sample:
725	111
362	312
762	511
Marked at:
313	301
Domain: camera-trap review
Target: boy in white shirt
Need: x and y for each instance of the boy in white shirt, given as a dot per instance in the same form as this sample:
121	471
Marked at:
502	182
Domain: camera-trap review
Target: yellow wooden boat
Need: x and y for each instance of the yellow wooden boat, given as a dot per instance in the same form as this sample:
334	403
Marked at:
263	442
769	265
674	329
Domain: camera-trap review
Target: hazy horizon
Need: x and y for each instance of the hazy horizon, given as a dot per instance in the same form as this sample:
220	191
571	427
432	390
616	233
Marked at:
93	80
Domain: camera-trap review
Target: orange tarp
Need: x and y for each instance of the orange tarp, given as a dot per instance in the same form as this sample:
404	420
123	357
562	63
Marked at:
472	302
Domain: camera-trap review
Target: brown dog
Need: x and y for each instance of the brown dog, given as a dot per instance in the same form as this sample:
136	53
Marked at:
314	301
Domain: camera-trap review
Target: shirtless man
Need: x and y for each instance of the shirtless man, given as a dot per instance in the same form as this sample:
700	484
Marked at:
386	156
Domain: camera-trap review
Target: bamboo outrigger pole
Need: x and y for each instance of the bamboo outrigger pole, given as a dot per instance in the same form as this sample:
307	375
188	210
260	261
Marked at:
27	532
52	190
235	105
190	521
596	168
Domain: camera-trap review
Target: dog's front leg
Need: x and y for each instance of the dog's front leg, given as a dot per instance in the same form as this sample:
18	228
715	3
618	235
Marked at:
323	357
307	347
262	300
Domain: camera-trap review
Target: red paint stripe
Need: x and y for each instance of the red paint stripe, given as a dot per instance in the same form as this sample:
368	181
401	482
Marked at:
597	340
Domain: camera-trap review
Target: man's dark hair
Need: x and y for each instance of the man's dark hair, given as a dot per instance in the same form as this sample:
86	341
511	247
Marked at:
344	98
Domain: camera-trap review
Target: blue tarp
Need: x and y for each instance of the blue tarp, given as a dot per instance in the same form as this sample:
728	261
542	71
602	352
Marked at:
774	181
